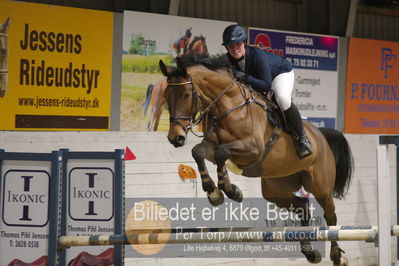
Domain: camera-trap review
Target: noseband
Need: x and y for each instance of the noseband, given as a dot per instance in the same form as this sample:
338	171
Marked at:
191	118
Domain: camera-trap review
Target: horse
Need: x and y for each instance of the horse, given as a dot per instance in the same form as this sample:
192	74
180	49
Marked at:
155	101
198	45
236	128
4	57
155	91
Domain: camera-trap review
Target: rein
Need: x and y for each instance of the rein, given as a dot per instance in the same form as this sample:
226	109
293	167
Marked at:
195	121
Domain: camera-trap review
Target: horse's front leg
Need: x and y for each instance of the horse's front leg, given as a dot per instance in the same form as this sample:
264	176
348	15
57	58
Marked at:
246	150
200	152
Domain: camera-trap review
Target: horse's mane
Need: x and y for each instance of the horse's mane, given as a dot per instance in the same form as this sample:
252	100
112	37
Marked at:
212	62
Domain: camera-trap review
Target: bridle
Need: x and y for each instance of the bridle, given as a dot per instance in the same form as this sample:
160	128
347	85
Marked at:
3	71
191	118
203	113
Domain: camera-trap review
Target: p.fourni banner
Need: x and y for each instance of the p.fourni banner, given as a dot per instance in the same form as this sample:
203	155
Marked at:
314	58
372	87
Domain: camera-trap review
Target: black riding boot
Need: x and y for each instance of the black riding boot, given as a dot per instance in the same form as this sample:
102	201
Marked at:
303	146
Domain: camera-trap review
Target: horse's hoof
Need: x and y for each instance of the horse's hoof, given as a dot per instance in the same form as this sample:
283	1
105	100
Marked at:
313	256
216	197
235	193
344	262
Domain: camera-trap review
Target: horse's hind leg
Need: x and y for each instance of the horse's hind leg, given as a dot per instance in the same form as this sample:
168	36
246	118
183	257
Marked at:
301	206
158	117
157	102
150	123
322	188
2	90
280	191
331	219
199	153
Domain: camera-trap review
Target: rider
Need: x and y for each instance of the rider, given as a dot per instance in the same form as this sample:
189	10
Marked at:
264	72
181	44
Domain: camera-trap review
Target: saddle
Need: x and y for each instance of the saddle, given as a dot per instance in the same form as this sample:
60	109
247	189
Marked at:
275	115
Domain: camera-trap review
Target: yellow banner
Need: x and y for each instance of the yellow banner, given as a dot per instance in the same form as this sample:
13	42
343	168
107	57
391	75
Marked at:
55	67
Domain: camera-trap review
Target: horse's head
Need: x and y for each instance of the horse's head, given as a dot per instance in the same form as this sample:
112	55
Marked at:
198	45
182	102
4	56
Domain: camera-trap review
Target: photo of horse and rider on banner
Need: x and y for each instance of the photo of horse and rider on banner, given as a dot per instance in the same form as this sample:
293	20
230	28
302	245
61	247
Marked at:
148	38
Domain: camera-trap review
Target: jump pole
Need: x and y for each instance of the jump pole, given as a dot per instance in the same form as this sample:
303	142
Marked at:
288	234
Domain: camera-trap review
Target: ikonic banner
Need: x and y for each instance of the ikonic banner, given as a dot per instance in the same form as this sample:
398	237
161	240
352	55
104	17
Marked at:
90	204
314	58
55	67
27	205
147	38
372	87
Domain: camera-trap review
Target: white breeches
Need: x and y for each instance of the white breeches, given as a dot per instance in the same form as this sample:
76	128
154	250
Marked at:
282	85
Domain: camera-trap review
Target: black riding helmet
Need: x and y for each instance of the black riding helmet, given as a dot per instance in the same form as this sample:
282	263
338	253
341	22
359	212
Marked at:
233	34
188	33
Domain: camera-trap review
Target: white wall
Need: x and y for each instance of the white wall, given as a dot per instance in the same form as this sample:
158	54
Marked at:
154	174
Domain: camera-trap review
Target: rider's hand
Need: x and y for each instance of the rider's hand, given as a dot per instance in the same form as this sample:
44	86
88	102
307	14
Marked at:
240	76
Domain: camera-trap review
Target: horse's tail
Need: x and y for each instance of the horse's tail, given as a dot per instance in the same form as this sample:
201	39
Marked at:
343	160
148	97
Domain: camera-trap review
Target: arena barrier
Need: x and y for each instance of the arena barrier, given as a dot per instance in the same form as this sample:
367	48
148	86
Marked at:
45	195
44	203
227	235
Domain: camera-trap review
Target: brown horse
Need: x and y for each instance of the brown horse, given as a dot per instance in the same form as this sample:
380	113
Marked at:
4	56
236	128
198	45
155	101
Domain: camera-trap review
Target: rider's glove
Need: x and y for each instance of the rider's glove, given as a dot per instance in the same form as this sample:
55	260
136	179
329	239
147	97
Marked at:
241	76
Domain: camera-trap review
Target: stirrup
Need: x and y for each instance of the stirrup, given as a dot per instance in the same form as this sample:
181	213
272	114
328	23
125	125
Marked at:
303	147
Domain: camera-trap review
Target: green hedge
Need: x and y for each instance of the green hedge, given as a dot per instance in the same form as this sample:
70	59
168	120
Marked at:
144	64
